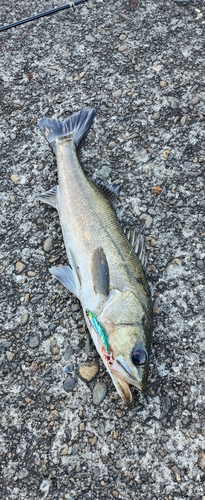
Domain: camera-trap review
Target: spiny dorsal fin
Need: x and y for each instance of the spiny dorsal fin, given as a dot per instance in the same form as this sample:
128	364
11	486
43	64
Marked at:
100	272
109	191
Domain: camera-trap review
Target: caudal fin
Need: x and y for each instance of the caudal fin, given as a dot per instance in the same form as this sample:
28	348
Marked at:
76	125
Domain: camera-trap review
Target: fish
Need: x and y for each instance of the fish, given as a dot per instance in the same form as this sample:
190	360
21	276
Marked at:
104	270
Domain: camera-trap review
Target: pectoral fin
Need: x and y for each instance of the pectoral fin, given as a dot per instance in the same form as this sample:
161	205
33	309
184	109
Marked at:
100	272
67	277
49	197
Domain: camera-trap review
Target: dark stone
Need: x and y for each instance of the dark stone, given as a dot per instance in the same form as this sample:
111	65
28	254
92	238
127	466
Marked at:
69	383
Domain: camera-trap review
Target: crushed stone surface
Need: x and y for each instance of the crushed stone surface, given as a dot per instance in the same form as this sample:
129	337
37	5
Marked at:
141	65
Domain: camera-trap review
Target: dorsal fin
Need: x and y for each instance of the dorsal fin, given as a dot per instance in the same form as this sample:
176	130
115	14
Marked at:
109	191
138	243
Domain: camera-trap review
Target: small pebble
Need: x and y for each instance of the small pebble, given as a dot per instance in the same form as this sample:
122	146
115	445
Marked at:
5	343
88	345
53	415
188	164
46	333
54	259
64	62
201	461
68	368
69	383
79	76
115	493
105	171
89	38
66	53
174	102
20	267
48	245
26	298
75	307
111	144
75	449
123	36
68	353
176	472
10	355
117	93
166	153
122	48
55	349
195	100
15	178
148	220
143	151
33	367
99	392
52	327
24	319
88	371
64	451
31	274
183	120
36	299
34	341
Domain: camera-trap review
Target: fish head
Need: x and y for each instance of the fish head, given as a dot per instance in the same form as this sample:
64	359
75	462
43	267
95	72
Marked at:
129	360
128	325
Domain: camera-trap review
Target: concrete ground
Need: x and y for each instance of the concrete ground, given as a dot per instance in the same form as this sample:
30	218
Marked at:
141	65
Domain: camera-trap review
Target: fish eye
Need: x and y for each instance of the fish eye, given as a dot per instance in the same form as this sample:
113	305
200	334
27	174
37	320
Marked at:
138	356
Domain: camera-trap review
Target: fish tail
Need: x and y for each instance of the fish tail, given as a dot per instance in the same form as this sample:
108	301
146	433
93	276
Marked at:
76	126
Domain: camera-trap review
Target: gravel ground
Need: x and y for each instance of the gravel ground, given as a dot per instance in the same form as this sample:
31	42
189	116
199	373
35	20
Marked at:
141	65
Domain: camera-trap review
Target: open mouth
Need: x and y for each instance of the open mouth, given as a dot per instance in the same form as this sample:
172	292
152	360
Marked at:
123	389
121	375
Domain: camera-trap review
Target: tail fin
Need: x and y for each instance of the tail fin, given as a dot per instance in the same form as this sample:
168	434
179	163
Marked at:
76	125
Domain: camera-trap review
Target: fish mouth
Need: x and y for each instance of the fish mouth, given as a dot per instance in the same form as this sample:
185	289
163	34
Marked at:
123	378
123	389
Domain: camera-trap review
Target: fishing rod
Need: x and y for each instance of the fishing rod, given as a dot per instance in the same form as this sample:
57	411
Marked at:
42	14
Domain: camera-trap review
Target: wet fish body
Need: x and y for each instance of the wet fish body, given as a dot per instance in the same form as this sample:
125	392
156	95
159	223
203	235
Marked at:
104	271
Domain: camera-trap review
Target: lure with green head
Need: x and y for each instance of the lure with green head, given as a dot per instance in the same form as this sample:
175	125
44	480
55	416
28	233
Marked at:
100	330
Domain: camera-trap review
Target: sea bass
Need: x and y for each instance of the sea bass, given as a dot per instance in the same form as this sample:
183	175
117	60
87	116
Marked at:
104	272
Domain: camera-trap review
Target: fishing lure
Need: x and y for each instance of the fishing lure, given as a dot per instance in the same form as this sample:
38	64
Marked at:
100	330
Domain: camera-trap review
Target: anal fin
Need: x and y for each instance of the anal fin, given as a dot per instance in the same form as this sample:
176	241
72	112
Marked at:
49	197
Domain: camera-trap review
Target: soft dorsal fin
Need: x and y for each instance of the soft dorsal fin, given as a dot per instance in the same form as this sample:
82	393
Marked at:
100	272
